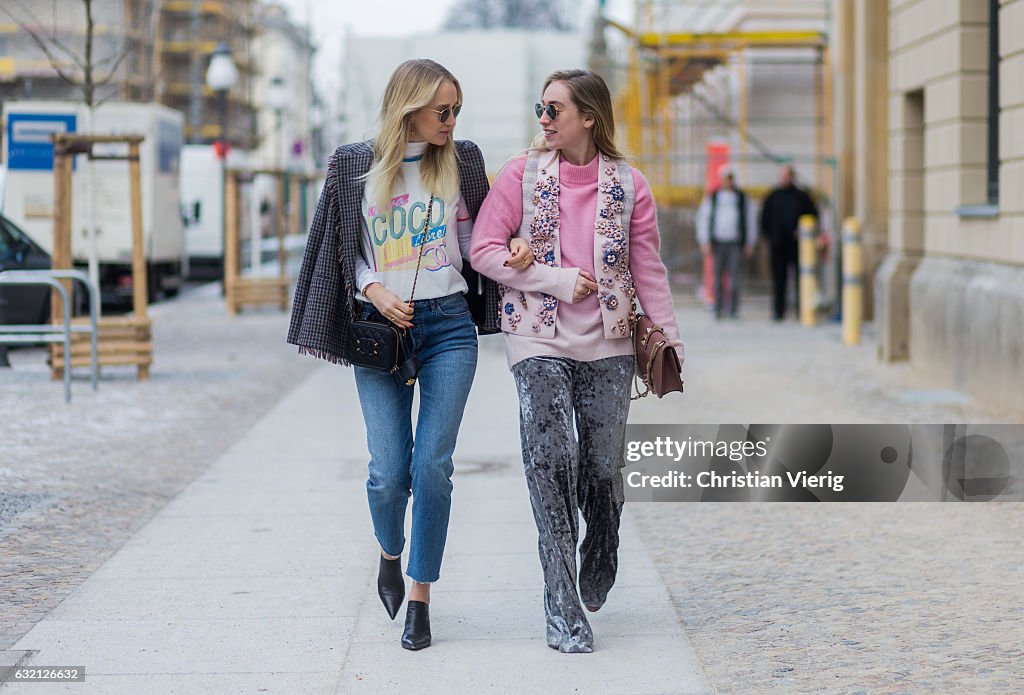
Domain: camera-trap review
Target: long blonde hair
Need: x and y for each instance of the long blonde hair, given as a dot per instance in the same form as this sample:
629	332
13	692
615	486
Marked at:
591	96
412	86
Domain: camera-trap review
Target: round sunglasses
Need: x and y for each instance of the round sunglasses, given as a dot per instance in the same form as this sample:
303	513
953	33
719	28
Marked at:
447	111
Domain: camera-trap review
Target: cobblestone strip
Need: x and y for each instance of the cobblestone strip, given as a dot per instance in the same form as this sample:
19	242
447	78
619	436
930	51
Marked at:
846	598
840	598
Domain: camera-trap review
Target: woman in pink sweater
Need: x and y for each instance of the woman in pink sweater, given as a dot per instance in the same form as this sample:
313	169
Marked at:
592	226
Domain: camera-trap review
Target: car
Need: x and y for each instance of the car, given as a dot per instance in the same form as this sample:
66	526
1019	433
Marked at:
22	304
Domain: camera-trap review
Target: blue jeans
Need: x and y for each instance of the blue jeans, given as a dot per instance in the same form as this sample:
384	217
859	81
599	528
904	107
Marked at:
445	339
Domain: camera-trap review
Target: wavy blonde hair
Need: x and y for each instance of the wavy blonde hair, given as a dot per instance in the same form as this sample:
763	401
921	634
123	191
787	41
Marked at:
412	86
591	96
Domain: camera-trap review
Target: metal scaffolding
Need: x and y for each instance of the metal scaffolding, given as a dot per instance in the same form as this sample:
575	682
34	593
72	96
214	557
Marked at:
165	46
676	90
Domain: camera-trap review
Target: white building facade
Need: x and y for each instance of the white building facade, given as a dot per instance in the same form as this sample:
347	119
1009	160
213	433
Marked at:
501	74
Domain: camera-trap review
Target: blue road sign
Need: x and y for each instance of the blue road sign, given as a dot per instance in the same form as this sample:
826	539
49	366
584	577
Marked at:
28	139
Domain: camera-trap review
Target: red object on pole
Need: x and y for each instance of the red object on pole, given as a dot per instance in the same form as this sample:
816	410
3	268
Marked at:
716	156
221	149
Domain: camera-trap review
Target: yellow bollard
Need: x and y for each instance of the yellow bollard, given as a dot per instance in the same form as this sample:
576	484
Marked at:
808	271
853	289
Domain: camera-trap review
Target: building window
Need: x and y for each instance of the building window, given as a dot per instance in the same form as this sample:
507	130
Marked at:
993	103
990	208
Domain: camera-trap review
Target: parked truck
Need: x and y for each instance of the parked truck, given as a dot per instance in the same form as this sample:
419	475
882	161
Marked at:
28	189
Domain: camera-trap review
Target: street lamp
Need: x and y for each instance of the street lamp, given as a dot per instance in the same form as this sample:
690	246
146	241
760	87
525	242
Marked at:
277	100
221	76
317	118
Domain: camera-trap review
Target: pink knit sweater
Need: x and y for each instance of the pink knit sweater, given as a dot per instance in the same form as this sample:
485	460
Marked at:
579	333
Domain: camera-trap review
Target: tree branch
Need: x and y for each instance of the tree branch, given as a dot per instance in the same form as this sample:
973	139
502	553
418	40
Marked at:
88	87
105	99
38	36
113	69
44	44
54	61
509	14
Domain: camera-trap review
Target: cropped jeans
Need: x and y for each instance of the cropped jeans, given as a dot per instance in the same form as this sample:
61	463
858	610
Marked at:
445	338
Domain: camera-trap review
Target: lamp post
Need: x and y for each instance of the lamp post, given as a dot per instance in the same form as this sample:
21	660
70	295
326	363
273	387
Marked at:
317	119
277	100
221	76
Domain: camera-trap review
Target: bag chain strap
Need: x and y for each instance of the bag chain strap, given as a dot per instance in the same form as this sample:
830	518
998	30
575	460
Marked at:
423	244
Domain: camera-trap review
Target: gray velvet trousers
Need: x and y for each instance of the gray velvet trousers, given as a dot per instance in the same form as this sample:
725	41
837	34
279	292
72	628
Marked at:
573	429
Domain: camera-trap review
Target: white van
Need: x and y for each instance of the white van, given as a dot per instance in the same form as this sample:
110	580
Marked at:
28	190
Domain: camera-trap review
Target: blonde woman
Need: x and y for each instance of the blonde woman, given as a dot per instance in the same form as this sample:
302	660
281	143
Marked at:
367	239
591	223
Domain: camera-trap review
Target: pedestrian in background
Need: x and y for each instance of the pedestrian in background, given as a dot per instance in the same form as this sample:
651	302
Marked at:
725	230
780	219
367	238
591	223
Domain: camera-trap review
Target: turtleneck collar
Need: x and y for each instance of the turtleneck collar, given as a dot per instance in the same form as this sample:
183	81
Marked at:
414	151
579	174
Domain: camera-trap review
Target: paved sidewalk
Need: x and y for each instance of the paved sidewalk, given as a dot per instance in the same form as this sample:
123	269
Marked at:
260	577
78	480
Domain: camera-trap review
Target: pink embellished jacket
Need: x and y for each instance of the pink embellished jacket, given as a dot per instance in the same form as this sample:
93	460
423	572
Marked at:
538	316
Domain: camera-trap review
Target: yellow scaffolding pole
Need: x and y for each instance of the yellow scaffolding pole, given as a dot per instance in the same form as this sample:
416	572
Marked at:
737	39
828	153
744	117
663	65
745	39
819	117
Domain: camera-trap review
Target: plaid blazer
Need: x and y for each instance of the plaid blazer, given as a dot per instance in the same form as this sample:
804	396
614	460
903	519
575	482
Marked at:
324	301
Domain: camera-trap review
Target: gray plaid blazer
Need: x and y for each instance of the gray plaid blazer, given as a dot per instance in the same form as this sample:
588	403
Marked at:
325	290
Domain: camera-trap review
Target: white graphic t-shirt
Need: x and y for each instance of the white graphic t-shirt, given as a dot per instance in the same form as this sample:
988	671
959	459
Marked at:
390	246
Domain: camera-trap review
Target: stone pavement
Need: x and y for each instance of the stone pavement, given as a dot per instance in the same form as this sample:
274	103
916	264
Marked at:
837	598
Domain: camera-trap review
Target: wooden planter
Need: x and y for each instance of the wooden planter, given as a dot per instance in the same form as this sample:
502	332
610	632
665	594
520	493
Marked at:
121	340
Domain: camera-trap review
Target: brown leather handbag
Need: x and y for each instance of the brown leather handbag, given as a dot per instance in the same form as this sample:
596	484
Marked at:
657	364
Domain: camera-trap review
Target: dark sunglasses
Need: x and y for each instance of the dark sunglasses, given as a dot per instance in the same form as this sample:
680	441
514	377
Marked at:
550	110
443	114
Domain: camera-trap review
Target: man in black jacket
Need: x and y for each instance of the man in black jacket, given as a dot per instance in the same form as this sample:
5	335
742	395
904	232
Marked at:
780	218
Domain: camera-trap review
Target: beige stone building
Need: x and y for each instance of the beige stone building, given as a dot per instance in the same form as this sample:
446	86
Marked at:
932	152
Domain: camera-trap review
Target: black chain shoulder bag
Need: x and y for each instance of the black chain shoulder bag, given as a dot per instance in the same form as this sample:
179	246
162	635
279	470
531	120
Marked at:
380	344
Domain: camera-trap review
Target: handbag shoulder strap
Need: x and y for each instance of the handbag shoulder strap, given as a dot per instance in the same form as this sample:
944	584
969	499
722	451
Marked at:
423	243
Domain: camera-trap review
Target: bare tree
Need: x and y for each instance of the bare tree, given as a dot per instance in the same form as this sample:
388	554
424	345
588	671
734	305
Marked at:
78	68
553	15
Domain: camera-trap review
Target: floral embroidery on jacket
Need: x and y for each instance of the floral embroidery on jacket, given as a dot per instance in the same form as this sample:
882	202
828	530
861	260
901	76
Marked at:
616	291
543	239
614	250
